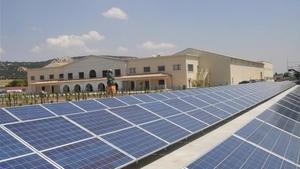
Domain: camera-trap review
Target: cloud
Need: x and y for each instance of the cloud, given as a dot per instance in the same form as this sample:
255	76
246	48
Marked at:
65	41
122	49
70	44
1	51
115	13
36	49
149	45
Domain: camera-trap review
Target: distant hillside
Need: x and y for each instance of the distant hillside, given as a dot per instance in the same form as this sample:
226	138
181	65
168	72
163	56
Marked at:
9	70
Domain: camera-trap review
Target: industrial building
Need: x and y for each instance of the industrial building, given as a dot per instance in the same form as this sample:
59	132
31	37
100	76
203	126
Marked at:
185	69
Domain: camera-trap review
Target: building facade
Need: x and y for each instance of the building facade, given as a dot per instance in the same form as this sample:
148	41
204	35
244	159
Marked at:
185	69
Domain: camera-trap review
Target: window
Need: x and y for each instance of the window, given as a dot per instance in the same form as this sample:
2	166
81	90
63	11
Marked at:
104	72
161	82
61	76
147	69
81	75
32	77
51	76
117	72
70	76
132	70
93	74
161	68
42	77
190	67
176	67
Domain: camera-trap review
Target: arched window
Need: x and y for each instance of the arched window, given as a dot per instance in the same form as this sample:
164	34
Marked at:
93	74
89	88
66	89
77	88
101	87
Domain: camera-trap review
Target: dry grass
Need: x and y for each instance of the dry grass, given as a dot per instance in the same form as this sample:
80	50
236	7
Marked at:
3	83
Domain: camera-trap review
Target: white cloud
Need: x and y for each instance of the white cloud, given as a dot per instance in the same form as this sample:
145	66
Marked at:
36	49
149	45
1	51
66	41
115	13
122	49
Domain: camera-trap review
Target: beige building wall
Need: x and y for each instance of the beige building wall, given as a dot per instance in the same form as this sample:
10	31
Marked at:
178	76
218	67
241	73
268	70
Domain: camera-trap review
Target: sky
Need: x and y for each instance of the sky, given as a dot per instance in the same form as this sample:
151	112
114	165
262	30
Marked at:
36	30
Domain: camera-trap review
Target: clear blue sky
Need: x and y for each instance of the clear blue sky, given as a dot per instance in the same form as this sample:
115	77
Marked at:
33	30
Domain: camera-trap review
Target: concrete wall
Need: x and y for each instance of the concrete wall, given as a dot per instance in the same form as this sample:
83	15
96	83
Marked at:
268	71
240	73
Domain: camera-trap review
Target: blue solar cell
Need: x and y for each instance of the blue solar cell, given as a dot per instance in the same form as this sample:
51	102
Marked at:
289	105
5	117
180	105
47	133
286	112
243	103
135	141
249	128
217	97
188	122
217	155
235	105
29	112
168	95
129	100
135	114
206	98
63	108
144	98
99	122
194	101
165	130
111	102
29	161
160	109
204	116
90	105
256	160
10	147
218	112
227	108
91	153
272	162
178	93
158	96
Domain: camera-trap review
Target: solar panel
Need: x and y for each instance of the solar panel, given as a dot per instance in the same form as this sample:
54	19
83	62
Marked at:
111	102
158	96
169	95
144	98
289	105
89	105
135	114
235	105
29	161
217	97
99	122
242	102
29	112
165	130
194	101
217	112
271	143
135	142
227	108
160	109
91	153
178	93
10	147
62	108
5	117
129	100
47	133
204	116
180	105
206	98
188	122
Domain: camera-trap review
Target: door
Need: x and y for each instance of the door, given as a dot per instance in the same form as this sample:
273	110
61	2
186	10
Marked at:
147	85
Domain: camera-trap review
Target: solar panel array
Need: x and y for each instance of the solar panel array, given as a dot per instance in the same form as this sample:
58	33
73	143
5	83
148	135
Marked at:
271	140
115	132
